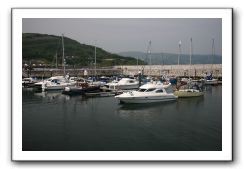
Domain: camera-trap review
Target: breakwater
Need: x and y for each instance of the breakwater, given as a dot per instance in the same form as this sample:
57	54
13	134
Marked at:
198	70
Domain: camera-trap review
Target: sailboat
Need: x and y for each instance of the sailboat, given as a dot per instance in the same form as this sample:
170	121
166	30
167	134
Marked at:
56	82
192	89
93	80
209	80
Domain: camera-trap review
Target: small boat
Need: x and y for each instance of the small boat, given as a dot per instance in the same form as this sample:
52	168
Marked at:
188	93
209	80
111	86
123	84
28	82
149	93
80	88
53	83
190	89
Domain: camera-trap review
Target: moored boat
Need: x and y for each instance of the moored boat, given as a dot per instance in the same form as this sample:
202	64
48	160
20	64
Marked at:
123	84
209	80
149	93
53	83
28	82
81	87
188	93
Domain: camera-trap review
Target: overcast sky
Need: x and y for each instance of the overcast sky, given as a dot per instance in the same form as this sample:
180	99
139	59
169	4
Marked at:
120	35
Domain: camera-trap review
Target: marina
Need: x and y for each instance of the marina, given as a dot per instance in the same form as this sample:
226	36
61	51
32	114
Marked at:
80	97
122	113
123	108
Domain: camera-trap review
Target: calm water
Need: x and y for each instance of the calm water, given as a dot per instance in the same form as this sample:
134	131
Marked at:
55	122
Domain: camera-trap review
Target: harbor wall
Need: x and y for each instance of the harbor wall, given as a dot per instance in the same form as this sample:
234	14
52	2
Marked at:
198	70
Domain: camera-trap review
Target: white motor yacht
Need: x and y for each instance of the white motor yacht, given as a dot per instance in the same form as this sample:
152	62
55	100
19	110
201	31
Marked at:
149	93
53	83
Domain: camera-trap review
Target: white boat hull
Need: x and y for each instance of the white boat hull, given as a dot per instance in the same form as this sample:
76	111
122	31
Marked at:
148	93
147	99
211	82
54	87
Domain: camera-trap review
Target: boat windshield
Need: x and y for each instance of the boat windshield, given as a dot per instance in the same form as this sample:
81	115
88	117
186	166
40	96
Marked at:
159	91
142	90
149	90
169	90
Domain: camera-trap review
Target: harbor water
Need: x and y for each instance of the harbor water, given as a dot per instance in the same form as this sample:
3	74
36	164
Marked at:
56	122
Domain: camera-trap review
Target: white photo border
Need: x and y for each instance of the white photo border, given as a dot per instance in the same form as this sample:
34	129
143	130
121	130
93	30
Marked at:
19	13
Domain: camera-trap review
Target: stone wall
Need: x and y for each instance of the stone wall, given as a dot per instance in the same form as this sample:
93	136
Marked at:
176	70
153	70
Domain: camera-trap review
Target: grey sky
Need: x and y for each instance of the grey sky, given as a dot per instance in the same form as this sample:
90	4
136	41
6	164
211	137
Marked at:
120	35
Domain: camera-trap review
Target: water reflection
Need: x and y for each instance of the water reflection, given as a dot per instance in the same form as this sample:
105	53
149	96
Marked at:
53	121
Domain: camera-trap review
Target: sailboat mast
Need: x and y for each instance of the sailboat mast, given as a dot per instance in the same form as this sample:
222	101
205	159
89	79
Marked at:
63	59
213	53
179	52
190	50
190	55
162	62
137	64
150	56
95	61
56	57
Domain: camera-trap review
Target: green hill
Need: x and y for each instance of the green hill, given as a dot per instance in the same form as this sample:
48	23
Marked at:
43	48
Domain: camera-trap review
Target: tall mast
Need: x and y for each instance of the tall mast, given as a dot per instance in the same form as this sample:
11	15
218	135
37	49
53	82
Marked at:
150	56
162	62
190	55
137	63
95	60
190	50
56	57
213	53
63	59
179	52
